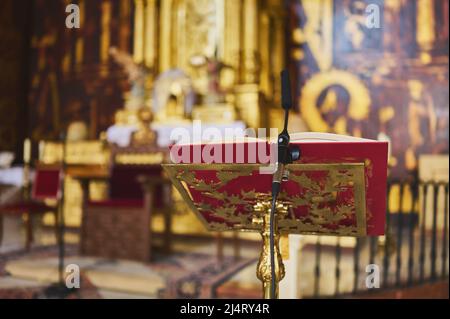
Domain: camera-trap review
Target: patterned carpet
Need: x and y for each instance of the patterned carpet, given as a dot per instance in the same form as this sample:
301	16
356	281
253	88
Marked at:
187	275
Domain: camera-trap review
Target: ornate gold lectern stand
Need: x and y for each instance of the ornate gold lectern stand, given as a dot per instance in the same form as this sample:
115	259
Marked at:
325	199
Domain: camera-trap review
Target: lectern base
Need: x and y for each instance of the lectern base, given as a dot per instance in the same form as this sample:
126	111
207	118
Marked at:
56	291
263	269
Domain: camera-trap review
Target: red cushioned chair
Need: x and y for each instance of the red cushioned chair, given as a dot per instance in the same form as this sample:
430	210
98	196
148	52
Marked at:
46	185
119	227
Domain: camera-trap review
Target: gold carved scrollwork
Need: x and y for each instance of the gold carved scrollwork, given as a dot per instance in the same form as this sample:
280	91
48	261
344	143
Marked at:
263	269
239	210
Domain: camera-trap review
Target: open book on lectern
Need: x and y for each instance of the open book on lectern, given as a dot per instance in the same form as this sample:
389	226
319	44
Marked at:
337	187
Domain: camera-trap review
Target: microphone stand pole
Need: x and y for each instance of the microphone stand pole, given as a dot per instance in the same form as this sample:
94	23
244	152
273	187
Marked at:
60	290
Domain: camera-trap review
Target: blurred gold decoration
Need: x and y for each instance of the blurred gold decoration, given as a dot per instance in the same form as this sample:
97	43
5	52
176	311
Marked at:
144	135
77	131
298	54
421	113
120	117
139	22
357	107
355	22
318	31
138	76
173	97
79	44
425	34
386	114
168	36
88	155
263	268
410	159
105	37
213	107
90	152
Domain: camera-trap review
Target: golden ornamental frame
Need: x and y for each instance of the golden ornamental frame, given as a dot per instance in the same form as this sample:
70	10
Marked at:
285	226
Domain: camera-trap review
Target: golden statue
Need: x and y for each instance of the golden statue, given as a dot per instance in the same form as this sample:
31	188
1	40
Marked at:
138	75
173	97
213	90
144	135
422	121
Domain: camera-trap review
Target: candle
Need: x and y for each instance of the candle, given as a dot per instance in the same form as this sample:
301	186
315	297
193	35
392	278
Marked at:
41	148
27	151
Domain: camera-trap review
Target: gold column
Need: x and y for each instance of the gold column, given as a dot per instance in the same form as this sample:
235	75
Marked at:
150	33
250	42
138	47
247	92
66	61
124	25
105	38
232	27
165	24
425	35
178	45
270	79
265	51
79	45
277	58
220	38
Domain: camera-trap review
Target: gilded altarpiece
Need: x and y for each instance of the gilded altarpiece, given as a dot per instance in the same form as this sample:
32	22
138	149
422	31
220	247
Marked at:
246	37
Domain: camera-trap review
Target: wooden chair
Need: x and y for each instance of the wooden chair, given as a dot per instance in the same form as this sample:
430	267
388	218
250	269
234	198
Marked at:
46	185
120	226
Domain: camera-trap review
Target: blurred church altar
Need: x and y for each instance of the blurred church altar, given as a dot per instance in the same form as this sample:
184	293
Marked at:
212	61
116	88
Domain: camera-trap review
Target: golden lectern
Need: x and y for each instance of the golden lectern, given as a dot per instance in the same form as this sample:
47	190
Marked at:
332	185
317	198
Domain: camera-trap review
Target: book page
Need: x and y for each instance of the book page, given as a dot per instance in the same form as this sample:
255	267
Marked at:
325	137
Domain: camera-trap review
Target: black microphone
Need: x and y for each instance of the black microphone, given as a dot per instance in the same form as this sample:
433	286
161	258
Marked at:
286	97
285	154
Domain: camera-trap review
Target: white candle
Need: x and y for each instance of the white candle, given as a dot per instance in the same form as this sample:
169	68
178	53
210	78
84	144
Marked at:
41	147
27	151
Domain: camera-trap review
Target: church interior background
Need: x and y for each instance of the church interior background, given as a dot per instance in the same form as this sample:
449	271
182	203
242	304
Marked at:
134	70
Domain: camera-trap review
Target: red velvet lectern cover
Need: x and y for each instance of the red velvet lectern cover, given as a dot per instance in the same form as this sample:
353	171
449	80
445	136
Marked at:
338	187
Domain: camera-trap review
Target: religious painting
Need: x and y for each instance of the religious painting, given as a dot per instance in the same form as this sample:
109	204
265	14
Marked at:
374	69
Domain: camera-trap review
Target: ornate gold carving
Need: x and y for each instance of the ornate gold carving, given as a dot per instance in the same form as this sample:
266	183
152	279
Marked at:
145	158
209	28
263	269
144	135
150	39
340	178
138	49
83	152
79	44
